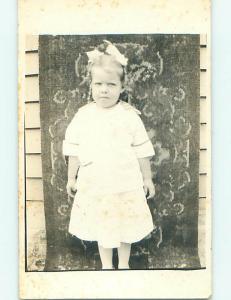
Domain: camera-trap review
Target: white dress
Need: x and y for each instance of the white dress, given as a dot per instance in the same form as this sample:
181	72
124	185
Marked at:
110	206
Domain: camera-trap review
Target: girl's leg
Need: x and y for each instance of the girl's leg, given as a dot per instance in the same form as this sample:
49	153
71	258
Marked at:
124	255
106	257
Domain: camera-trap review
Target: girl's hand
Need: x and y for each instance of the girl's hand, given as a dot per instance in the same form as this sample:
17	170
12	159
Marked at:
71	189
149	188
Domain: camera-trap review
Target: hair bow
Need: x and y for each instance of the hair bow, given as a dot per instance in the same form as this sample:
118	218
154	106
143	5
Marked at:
111	50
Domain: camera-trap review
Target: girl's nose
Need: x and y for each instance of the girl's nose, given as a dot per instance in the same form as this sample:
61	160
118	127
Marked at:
104	88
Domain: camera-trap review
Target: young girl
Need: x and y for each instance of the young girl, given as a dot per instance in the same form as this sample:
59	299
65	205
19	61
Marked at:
109	153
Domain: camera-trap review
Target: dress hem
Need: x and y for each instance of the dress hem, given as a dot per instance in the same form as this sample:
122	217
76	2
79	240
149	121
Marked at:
106	245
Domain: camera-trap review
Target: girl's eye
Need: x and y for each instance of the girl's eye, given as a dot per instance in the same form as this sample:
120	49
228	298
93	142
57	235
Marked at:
111	84
97	83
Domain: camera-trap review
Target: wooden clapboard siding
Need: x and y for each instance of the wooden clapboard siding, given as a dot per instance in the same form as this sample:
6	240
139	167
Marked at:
204	145
33	166
32	89
32	115
36	235
203	83
202	186
203	112
33	141
203	162
35	219
35	215
203	58
34	189
202	231
203	137
34	185
32	64
203	40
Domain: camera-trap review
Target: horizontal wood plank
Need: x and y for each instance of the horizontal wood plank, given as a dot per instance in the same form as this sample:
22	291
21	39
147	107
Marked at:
32	115
36	235
203	136
33	141
35	216
33	166
202	185
203	39
201	248
32	63
203	83
34	189
32	89
203	58
204	111
203	162
202	206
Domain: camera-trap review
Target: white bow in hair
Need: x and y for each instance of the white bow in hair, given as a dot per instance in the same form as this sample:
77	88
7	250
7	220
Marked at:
111	50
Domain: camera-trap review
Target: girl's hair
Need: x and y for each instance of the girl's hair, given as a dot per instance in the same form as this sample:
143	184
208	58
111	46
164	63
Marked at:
107	62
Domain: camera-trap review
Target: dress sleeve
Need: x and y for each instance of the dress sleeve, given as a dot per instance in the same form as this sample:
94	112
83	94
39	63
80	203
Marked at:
141	144
72	137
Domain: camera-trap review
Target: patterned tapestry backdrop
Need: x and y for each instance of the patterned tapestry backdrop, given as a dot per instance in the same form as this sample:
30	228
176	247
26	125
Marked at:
163	83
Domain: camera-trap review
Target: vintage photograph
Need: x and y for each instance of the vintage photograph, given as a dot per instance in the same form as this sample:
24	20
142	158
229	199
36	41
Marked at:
112	154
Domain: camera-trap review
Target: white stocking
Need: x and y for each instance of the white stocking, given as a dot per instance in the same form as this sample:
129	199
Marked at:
106	257
124	255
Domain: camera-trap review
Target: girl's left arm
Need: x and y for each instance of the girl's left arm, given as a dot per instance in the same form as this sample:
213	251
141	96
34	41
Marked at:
145	168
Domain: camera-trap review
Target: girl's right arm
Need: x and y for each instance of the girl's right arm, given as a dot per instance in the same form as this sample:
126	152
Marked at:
73	166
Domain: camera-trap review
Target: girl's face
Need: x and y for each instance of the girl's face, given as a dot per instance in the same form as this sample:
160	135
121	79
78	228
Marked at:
106	86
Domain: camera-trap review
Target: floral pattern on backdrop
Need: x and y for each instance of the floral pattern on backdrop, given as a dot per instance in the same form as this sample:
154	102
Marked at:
163	83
